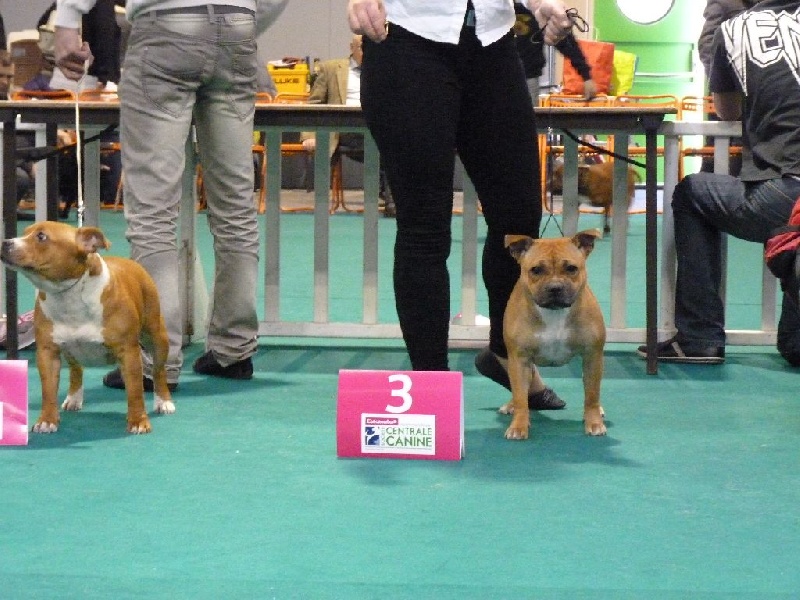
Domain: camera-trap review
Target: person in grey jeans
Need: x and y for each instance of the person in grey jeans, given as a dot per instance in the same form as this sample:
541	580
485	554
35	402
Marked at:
188	63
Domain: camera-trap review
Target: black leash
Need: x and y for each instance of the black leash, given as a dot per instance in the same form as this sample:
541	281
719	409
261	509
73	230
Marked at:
601	150
578	22
42	152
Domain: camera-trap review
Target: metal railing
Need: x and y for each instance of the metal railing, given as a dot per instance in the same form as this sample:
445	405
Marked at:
467	331
325	120
722	131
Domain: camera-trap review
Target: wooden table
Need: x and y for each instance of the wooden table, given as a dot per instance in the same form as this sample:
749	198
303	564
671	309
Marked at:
275	118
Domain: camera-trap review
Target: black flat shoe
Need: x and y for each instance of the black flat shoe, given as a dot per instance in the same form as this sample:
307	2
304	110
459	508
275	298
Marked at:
487	365
208	365
671	351
113	379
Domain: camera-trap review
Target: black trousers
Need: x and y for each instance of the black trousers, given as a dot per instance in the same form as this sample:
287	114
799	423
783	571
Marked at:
424	102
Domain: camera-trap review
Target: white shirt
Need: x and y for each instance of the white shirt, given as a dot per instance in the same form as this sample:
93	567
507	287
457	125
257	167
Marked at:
442	20
353	85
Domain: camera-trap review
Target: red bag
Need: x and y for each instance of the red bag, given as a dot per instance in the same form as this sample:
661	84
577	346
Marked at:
780	249
600	57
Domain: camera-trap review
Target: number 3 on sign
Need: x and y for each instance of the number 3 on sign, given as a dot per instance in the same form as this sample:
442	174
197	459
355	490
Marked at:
402	392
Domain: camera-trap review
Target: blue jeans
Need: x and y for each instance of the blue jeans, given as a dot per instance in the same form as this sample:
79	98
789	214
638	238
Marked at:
705	206
424	102
184	69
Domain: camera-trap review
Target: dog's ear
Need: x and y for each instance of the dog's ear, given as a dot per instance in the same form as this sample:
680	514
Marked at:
518	245
90	239
584	240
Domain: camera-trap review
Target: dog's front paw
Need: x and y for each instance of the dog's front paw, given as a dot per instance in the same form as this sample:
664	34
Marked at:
517	433
518	430
73	401
593	421
506	409
45	427
138	426
163	407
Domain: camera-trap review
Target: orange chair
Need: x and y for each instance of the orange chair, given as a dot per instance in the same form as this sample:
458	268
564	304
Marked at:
291	148
260	150
698	108
659	101
575	100
23	95
337	183
290	98
264	98
98	95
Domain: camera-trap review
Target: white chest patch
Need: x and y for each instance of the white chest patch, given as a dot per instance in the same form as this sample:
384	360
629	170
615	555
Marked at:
554	347
77	317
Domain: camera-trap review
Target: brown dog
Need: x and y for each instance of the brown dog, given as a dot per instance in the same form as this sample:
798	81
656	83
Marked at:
596	182
93	310
551	316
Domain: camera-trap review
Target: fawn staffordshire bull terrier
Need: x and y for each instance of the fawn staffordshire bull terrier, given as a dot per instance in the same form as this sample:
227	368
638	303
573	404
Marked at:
93	311
551	316
596	182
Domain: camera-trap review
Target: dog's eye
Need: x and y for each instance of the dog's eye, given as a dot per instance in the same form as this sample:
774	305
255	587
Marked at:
537	270
571	269
41	236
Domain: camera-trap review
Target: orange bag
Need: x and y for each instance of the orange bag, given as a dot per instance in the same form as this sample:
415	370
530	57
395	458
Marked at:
600	57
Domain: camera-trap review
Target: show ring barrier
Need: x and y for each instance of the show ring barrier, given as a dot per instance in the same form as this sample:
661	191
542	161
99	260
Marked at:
275	119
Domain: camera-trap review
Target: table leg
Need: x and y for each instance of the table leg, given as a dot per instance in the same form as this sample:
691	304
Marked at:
651	125
10	231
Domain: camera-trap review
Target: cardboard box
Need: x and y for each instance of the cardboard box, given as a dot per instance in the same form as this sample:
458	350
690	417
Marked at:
289	78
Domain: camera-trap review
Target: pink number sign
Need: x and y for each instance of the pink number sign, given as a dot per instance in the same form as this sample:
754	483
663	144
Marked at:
400	414
13	402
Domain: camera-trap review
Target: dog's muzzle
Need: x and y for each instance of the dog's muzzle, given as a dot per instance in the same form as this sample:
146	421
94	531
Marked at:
555	296
6	252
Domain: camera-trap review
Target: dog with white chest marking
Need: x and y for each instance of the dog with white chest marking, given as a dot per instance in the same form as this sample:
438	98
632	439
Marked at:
552	316
92	311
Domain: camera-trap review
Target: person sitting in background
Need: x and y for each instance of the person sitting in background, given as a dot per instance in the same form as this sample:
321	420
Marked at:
338	81
100	30
530	45
6	74
752	60
714	14
24	168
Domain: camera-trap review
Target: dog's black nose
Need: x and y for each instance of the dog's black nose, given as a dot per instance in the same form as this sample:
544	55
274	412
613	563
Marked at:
5	249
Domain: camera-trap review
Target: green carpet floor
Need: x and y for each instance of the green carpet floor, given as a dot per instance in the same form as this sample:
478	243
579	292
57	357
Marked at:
239	494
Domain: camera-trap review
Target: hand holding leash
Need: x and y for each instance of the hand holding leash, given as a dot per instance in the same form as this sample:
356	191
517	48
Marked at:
553	18
73	56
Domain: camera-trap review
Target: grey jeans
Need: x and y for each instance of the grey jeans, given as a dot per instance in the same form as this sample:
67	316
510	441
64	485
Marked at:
184	69
705	206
